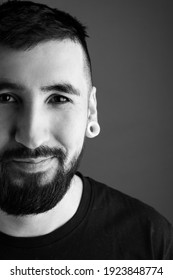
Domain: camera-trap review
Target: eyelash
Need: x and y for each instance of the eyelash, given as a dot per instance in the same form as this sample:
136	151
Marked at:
60	97
6	95
57	96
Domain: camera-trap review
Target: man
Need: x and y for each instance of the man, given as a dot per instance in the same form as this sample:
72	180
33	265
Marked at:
48	107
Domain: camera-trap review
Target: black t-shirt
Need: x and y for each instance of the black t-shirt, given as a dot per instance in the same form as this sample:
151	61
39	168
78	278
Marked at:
107	225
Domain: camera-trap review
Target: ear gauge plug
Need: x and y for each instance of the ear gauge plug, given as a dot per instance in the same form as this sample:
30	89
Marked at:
93	129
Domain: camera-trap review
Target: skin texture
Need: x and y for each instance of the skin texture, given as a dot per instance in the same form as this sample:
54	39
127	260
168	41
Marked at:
33	116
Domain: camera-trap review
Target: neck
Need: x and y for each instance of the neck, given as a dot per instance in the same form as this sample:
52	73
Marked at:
44	223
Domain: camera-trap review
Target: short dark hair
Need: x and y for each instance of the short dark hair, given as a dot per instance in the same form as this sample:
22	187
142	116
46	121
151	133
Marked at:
24	24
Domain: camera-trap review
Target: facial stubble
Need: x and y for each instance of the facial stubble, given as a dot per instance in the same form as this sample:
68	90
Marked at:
31	197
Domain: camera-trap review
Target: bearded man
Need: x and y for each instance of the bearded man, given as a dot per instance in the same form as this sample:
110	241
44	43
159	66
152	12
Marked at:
48	106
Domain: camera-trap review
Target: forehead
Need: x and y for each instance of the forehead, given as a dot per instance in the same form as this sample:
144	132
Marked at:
48	62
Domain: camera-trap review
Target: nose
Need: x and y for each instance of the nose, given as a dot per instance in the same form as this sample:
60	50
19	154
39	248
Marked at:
32	127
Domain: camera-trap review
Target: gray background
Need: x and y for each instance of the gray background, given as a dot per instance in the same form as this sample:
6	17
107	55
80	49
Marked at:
131	46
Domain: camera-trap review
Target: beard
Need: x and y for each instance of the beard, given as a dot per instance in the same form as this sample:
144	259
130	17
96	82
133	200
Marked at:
27	194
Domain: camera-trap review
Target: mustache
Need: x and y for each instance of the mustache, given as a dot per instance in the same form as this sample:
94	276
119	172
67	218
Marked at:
24	152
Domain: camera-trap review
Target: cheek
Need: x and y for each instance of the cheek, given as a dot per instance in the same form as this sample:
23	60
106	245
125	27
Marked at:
5	129
69	131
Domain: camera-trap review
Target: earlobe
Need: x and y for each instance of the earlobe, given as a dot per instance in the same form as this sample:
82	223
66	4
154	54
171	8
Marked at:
93	128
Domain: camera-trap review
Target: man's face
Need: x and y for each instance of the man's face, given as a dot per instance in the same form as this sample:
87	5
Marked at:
44	109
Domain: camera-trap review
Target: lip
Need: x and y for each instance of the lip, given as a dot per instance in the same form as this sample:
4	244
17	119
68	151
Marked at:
31	160
32	165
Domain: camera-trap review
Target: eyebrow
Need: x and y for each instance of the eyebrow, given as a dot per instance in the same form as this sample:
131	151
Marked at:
10	85
62	87
59	87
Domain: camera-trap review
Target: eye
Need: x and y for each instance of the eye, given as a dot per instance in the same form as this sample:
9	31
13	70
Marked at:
58	99
6	98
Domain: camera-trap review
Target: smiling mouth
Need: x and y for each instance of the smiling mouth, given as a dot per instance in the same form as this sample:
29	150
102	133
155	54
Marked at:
33	164
32	160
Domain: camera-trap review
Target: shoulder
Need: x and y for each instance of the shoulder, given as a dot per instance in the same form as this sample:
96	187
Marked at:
108	194
134	217
113	197
134	229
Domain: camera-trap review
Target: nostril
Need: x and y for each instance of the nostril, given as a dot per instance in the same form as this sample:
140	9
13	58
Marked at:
31	141
32	128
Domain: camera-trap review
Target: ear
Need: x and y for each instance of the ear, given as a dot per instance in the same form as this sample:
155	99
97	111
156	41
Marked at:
93	128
